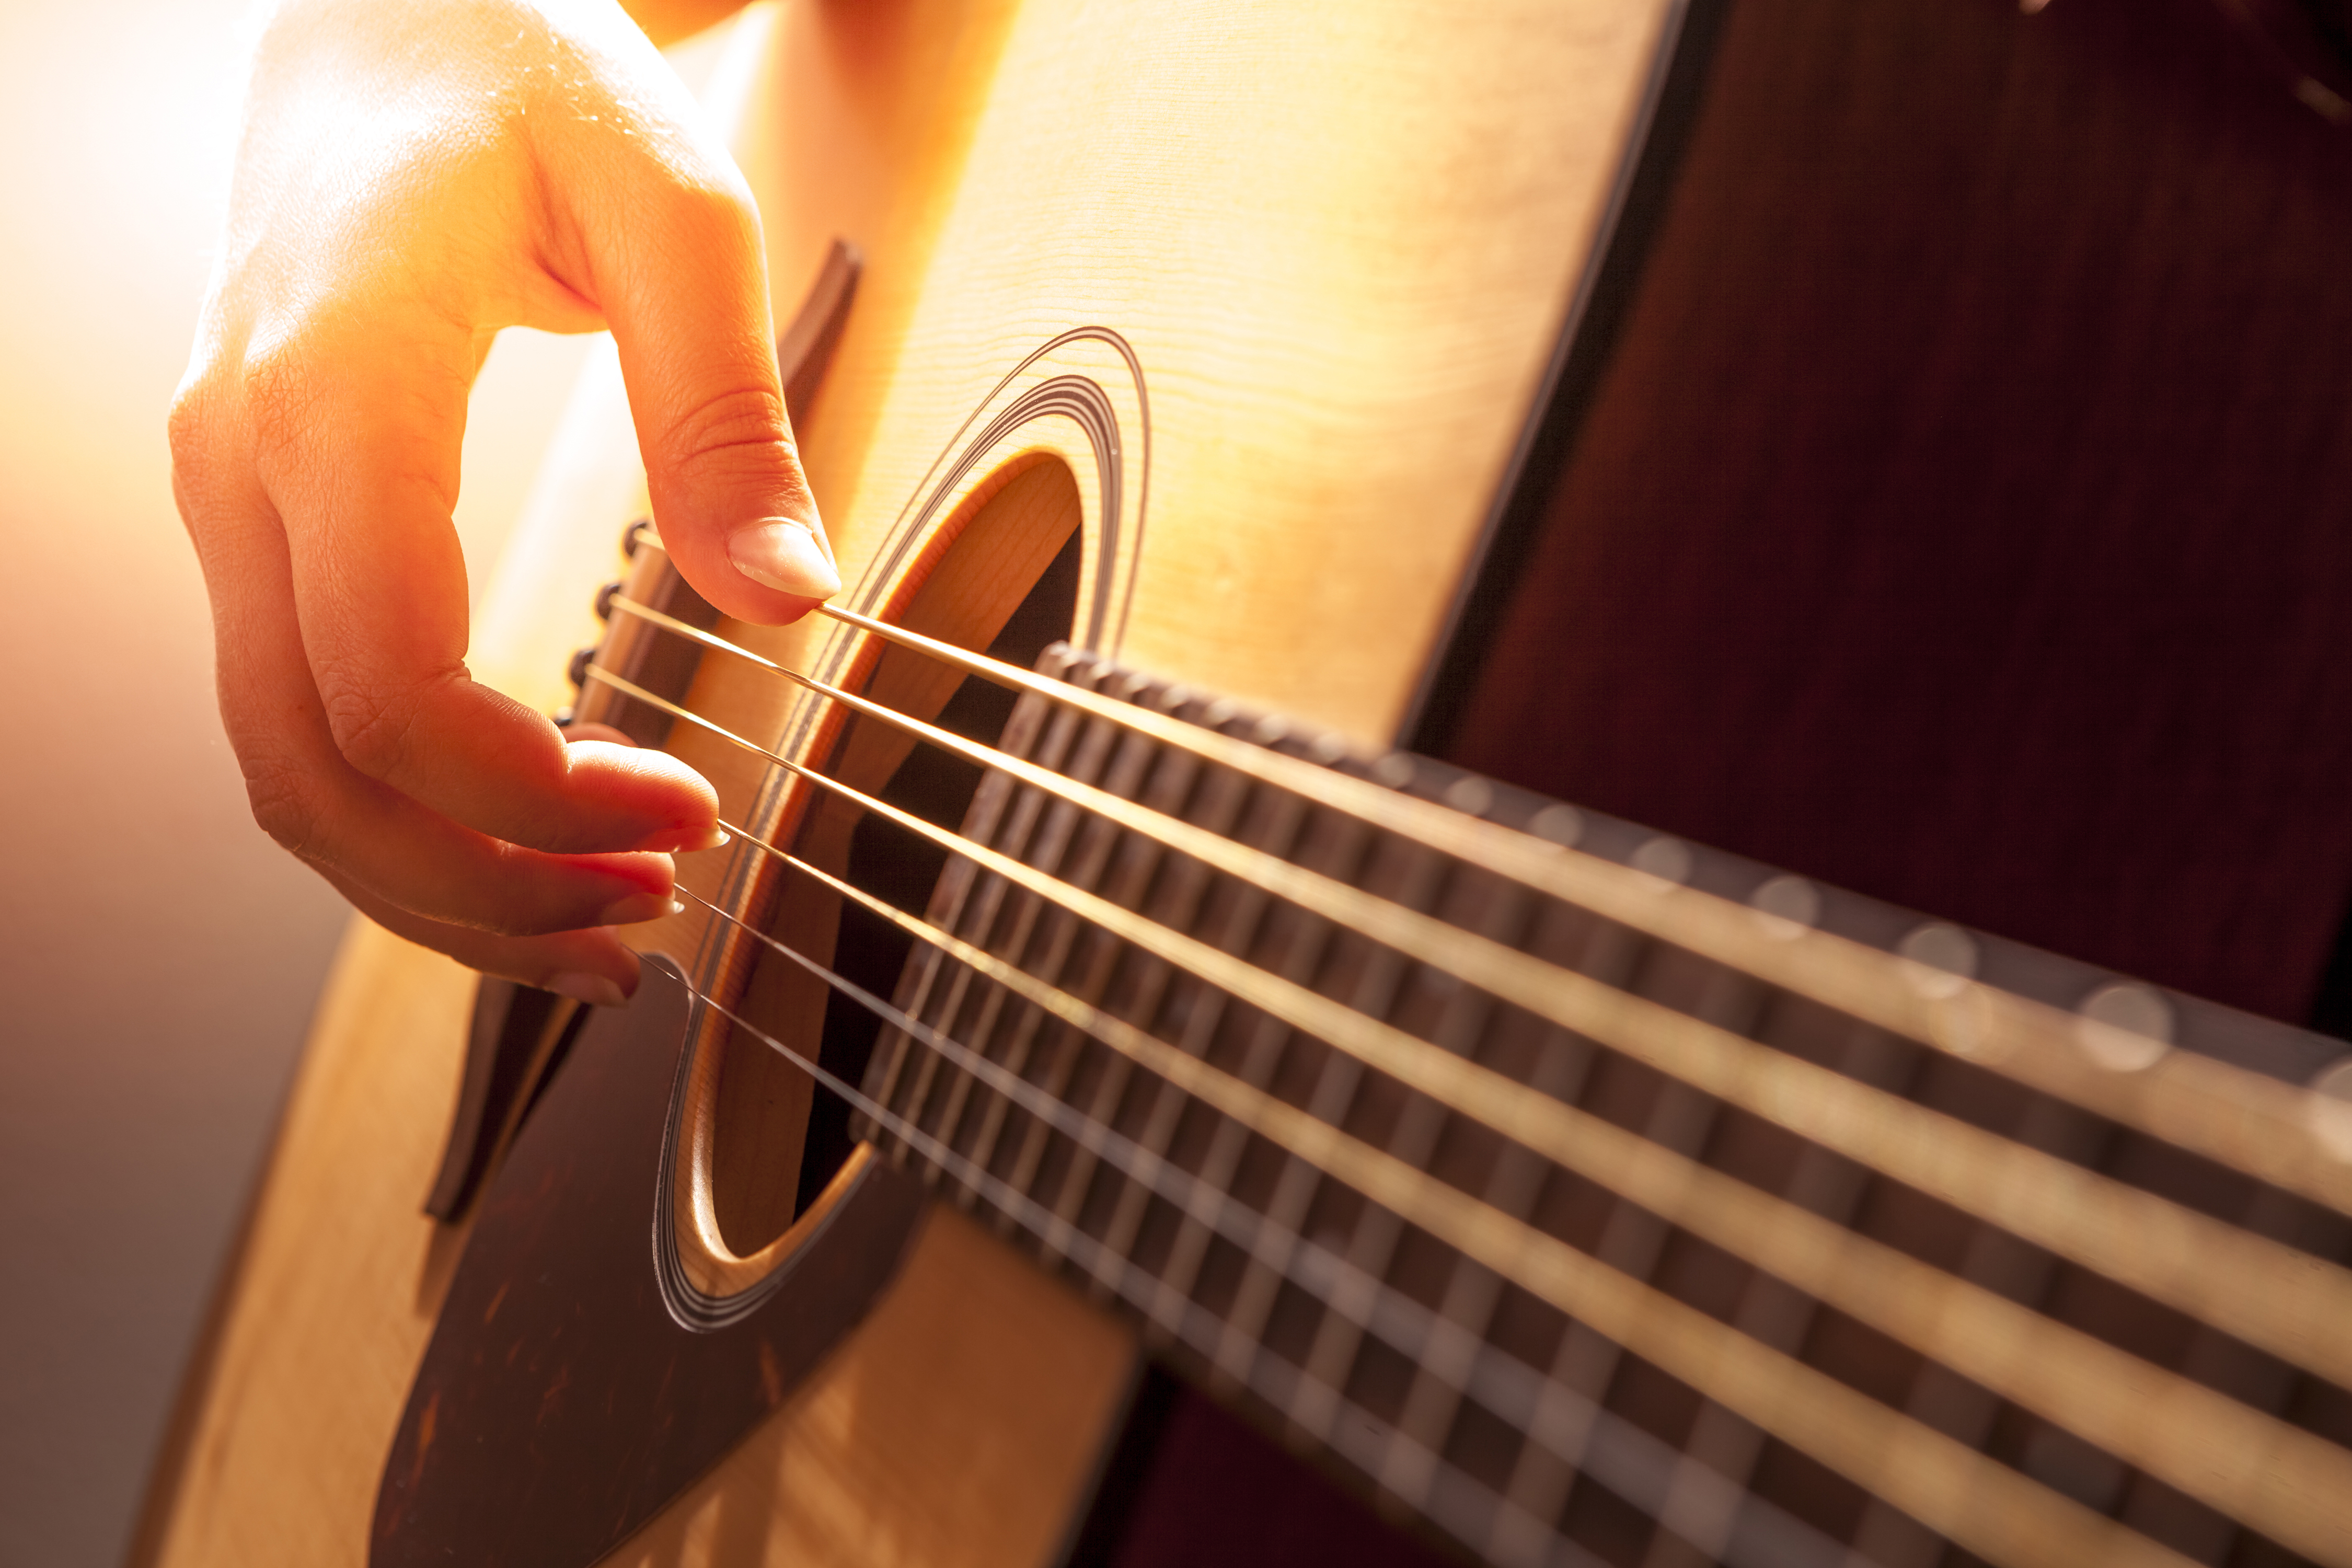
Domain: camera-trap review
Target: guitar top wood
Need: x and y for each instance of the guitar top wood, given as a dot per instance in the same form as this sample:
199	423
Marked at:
1341	240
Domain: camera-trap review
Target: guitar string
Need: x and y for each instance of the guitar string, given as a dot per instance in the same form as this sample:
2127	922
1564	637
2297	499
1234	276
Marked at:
1998	1513
2100	1224
2190	1261
2229	1503
2251	1123
1124	1277
1486	1374
2237	1118
2284	1482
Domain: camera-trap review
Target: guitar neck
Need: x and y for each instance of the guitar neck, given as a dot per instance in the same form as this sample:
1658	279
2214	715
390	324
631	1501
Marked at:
1529	1214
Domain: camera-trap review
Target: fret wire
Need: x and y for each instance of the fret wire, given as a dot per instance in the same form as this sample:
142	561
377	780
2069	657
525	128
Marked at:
2019	1522
2134	1237
2266	1134
1513	1186
1503	1383
1633	1239
2264	1471
1268	1042
1613	955
1068	935
1426	1412
992	800
946	1008
1625	1460
1336	1082
1039	813
1334	1350
1167	893
1204	1009
2137	1237
2233	1116
2213	1359
958	990
1733	1000
1474	1291
1045	836
1064	828
1772	1311
1130	1282
1911	1302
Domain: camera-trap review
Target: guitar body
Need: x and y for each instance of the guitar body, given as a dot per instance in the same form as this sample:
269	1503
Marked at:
1378	366
1340	244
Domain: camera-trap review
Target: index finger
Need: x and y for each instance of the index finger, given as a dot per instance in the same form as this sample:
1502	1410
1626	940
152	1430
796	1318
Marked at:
362	467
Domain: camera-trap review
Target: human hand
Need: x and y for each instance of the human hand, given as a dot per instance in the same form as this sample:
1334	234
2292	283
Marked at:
411	178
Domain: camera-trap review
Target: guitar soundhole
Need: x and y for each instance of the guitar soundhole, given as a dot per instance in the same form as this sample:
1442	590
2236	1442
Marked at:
895	866
1007	582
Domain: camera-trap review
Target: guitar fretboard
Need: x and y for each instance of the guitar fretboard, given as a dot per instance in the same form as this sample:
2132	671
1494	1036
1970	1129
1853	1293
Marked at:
1439	1363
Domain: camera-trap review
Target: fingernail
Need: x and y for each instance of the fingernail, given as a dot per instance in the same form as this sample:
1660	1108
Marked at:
783	554
638	909
594	989
687	840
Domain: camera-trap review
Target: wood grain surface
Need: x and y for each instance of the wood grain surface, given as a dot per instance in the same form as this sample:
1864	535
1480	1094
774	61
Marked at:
1340	239
1963	518
342	1278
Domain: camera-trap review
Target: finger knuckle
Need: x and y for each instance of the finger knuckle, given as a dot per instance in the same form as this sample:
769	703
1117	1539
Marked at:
188	429
371	719
285	806
200	426
187	426
277	385
716	205
731	424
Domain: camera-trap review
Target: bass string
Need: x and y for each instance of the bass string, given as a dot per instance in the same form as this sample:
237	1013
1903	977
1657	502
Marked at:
2236	1117
2102	1223
1987	1508
2280	1481
1645	1473
2283	1301
2233	1116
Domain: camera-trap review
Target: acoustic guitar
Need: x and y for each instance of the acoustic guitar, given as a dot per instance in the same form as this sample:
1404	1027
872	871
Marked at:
1154	971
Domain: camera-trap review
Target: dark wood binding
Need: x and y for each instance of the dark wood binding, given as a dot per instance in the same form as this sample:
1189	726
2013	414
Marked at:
804	349
519	1035
602	1379
1590	328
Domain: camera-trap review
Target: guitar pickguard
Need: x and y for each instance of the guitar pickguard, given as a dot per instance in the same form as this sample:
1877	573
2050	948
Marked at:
576	1382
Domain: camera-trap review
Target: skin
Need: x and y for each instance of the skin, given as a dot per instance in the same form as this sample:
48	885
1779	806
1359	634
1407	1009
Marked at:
413	176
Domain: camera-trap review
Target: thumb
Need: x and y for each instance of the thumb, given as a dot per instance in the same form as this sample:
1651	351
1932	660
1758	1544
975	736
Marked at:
686	290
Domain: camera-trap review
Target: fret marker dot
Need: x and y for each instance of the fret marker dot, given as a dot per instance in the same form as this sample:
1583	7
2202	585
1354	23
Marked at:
2125	1027
1667	860
1943	960
1330	749
1470	795
1395	770
1562	824
1789	906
